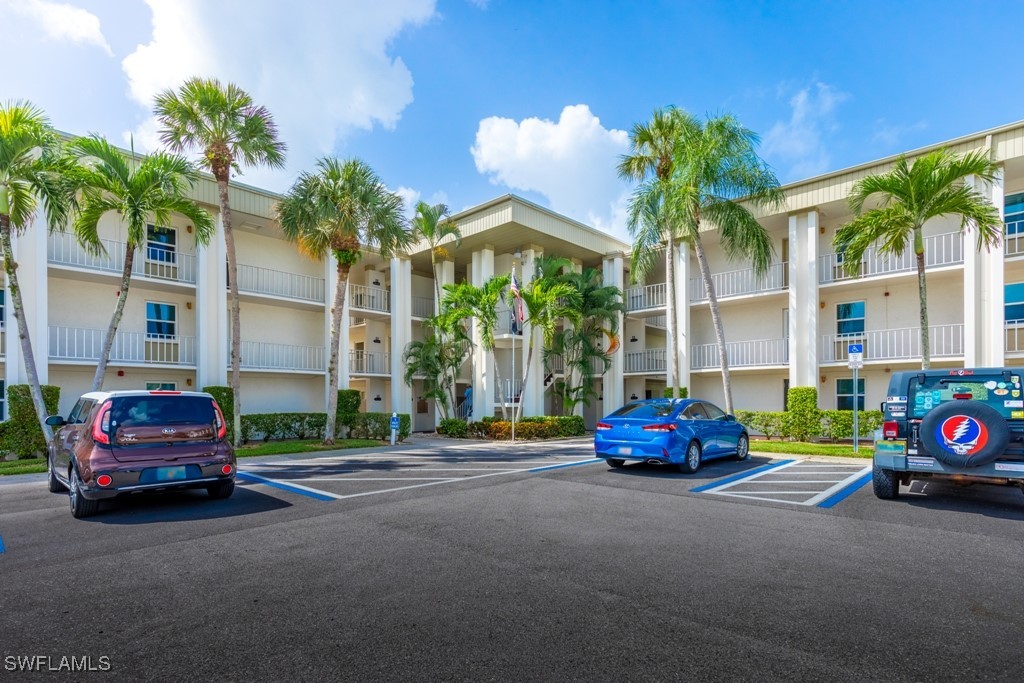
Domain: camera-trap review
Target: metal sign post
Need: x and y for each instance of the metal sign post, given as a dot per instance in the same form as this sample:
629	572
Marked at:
855	361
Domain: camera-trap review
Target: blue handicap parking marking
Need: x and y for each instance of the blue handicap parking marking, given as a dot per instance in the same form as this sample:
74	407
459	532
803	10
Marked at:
2	549
795	482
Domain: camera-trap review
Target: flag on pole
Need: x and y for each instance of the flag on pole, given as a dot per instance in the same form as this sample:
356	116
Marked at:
514	291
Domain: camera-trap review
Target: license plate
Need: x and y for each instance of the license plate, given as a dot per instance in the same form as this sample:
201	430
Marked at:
171	473
624	450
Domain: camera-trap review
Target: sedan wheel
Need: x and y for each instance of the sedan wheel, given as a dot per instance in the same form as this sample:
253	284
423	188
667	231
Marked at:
743	448
80	505
692	462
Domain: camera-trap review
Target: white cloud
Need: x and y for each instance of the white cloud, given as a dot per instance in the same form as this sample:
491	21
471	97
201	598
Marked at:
890	134
323	71
62	22
799	142
571	162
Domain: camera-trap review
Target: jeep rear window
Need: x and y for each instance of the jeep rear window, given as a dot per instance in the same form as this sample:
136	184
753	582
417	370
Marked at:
134	411
997	391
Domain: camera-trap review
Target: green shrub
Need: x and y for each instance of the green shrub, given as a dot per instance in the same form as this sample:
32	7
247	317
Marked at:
683	392
770	423
349	401
378	426
745	417
838	424
804	416
454	427
22	434
476	430
536	427
225	398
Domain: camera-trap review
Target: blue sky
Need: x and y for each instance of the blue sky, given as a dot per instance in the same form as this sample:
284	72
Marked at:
463	100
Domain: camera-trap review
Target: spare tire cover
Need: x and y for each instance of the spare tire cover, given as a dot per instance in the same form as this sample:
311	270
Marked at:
965	433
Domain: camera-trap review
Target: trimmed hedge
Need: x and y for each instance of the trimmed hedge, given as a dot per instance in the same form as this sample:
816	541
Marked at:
804	416
267	426
539	427
378	426
21	434
453	426
832	424
683	392
225	398
349	401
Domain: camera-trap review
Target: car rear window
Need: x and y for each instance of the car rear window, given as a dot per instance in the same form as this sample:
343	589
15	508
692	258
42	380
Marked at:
135	411
645	410
1001	392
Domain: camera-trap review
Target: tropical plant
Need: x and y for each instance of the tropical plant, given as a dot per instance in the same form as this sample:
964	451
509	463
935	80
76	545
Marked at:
33	171
910	195
340	209
652	159
717	178
437	359
143	192
221	121
433	225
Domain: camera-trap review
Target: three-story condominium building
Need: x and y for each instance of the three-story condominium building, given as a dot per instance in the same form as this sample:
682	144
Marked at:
790	327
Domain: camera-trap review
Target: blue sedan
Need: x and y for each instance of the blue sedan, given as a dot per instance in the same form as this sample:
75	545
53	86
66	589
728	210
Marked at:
681	432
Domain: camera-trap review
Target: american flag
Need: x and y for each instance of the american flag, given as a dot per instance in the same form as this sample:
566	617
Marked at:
514	291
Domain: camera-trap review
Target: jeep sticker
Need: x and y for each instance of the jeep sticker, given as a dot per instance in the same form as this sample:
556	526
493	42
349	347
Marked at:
962	435
1013	404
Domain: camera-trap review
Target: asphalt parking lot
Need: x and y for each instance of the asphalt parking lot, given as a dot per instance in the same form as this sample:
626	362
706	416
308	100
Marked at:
465	561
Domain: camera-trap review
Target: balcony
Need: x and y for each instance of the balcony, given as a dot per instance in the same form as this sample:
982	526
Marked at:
756	353
256	280
366	298
369	363
646	361
947	341
422	306
507	323
82	344
287	357
174	266
644	297
741	283
510	389
946	249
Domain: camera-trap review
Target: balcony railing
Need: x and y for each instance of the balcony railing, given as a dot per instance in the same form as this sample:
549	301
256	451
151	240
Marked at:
555	364
946	341
644	296
741	282
422	306
369	363
659	321
507	322
648	360
258	280
741	354
1013	238
76	343
64	249
940	250
369	298
267	356
511	389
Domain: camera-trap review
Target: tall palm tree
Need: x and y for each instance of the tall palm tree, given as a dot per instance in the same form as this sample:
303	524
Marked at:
432	224
652	159
141	193
716	179
33	171
221	121
437	358
339	209
548	303
910	195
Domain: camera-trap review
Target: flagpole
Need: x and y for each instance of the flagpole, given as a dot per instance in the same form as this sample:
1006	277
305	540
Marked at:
513	329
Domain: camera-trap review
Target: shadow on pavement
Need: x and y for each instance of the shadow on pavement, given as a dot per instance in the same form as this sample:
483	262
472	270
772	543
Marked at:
184	506
1004	502
713	469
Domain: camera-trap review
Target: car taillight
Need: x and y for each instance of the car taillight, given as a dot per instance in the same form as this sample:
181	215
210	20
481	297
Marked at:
104	480
890	430
226	469
660	428
101	426
222	426
601	426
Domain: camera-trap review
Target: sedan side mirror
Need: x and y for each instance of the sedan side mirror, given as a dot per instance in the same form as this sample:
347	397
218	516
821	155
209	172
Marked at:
55	421
730	418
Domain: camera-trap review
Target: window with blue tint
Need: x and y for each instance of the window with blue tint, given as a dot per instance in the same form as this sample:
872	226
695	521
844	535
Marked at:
3	307
161	244
1013	213
850	318
1013	302
845	395
161	319
645	411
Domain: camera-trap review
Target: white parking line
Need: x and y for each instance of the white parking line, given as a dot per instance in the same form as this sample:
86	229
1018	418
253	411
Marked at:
763	481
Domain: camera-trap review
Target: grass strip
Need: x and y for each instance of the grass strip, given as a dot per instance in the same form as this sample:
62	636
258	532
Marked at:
803	448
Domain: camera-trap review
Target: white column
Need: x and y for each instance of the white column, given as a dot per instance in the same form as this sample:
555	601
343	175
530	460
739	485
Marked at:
30	253
483	364
803	300
984	292
612	383
401	332
212	343
682	292
533	392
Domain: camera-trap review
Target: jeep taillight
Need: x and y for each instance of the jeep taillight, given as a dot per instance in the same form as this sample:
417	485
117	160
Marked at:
890	429
222	426
101	425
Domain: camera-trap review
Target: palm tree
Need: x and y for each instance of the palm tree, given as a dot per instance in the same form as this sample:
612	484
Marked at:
33	171
715	168
437	358
652	157
910	196
141	194
222	122
432	224
338	210
548	302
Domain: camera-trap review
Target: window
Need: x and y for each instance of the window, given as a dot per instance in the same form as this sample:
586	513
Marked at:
1013	303
713	411
3	401
161	244
850	318
3	307
161	386
1013	214
161	320
844	394
80	412
694	412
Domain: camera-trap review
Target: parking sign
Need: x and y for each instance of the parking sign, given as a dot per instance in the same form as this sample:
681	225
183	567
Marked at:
855	356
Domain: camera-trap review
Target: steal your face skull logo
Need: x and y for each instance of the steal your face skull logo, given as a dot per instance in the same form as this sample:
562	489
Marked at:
962	435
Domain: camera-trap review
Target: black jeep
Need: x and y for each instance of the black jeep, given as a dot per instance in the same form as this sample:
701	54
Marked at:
966	425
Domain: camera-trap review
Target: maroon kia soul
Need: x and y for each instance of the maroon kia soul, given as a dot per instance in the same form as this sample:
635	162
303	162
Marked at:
116	443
